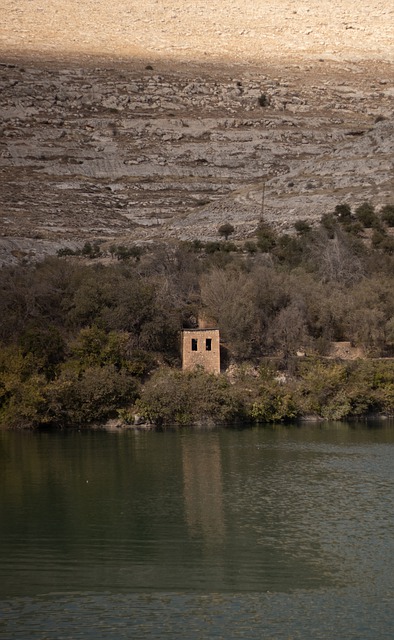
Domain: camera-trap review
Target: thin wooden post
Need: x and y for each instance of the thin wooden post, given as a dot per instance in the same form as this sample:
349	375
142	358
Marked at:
262	202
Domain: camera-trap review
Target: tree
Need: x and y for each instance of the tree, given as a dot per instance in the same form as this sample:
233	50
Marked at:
387	214
343	212
367	311
46	346
337	258
229	297
91	250
266	237
288	331
365	213
78	398
21	399
302	227
226	230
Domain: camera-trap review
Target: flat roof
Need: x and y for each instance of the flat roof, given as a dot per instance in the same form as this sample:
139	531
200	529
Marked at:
201	329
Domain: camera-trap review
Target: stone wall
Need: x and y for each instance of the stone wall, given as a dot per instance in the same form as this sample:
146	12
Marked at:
345	351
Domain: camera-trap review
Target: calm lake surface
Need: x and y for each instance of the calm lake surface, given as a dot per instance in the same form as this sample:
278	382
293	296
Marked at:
276	533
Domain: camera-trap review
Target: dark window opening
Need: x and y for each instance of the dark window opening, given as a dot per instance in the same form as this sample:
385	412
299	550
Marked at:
194	344
208	344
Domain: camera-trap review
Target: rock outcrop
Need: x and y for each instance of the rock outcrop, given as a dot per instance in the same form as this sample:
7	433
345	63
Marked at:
121	150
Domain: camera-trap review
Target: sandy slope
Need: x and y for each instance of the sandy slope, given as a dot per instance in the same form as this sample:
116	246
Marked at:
240	30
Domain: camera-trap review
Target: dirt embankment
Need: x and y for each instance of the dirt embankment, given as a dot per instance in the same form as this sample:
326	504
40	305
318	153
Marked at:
200	31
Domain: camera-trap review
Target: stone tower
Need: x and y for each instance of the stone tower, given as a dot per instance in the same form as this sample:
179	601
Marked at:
201	348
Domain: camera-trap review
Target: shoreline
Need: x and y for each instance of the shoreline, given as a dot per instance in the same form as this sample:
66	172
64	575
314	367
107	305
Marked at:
117	426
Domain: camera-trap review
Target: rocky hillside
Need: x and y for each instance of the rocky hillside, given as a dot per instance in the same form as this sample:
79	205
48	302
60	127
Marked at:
159	144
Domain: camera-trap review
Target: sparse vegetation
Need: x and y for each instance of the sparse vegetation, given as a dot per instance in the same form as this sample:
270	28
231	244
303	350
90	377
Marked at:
125	253
263	100
91	250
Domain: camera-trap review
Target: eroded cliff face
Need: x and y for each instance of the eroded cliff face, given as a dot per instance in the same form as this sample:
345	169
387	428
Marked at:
119	150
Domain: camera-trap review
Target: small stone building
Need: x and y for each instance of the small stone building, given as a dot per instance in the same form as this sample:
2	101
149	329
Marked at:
201	348
345	351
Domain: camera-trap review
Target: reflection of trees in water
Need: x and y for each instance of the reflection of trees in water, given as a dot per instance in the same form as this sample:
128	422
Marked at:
202	488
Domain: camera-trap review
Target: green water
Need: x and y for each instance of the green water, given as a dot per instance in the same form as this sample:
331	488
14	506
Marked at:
254	533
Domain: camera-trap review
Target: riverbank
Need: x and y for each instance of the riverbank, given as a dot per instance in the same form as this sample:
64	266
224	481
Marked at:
310	390
314	389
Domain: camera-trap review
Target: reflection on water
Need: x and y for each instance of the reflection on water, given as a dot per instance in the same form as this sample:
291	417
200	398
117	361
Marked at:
203	490
282	533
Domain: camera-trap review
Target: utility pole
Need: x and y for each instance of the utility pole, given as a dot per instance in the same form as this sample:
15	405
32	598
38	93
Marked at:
262	202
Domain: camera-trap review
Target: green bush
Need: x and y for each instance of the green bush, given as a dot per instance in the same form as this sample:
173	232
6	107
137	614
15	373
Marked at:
365	214
125	253
176	398
343	212
212	247
382	242
25	406
328	222
302	227
21	398
289	250
91	250
266	237
274	404
67	251
76	398
46	346
250	247
387	214
320	383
